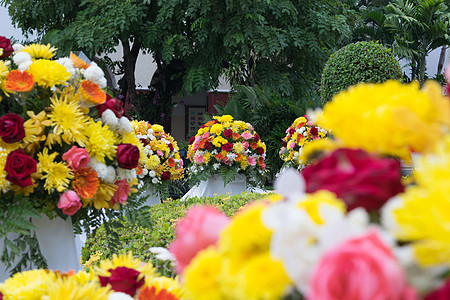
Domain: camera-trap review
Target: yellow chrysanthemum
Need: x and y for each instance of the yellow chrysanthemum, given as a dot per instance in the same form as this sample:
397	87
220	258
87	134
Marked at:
58	177
30	285
128	261
392	118
216	129
238	148
315	149
48	73
104	193
424	215
162	288
68	120
312	203
225	119
245	236
153	162
101	142
157	129
140	127
201	277
45	161
39	51
4	183
4	68
34	130
69	288
262	278
219	141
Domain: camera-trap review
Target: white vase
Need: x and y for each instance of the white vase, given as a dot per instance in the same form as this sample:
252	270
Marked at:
215	186
152	196
56	242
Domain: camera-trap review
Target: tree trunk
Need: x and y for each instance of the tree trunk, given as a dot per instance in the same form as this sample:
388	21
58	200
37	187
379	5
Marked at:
130	56
441	59
422	68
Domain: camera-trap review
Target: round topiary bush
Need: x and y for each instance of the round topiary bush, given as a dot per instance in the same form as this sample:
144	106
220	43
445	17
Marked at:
355	63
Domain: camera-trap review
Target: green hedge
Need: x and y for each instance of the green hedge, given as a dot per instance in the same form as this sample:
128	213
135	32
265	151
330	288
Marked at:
163	219
355	63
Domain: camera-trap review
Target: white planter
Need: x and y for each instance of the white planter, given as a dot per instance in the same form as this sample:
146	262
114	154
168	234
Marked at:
215	186
57	244
153	197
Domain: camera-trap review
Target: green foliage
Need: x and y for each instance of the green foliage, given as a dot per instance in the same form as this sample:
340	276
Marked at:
355	63
137	238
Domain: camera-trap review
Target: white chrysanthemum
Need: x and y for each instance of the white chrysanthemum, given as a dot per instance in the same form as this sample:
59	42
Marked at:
68	64
22	57
95	74
119	296
17	47
24	66
129	175
109	118
124	125
111	176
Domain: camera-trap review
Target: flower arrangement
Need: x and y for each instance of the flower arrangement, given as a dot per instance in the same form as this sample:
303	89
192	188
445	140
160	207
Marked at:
300	133
344	228
164	163
227	147
121	278
65	147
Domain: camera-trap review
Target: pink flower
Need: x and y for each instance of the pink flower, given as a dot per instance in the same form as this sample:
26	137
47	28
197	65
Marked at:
291	145
160	153
251	160
69	202
199	159
361	268
199	229
250	127
205	135
246	135
121	194
245	144
197	139
77	157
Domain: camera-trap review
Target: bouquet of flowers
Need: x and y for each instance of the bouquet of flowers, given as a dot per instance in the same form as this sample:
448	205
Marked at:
346	227
227	147
300	133
65	147
164	163
121	278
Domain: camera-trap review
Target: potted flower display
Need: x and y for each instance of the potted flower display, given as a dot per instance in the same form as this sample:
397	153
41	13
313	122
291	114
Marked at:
163	161
226	156
67	153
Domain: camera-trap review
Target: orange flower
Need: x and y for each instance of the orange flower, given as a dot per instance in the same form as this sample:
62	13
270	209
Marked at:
201	144
151	293
91	92
77	62
171	162
238	157
139	170
219	156
85	182
19	81
236	135
261	161
253	145
210	123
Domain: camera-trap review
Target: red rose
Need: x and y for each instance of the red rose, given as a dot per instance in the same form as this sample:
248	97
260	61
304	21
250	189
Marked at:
443	293
165	176
256	138
207	145
170	147
314	131
11	128
123	280
144	141
128	156
191	140
228	133
5	44
291	131
359	179
113	104
227	147
19	167
260	151
284	143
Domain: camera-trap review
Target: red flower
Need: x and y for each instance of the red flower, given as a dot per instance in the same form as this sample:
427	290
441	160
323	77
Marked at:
207	145
256	138
11	128
165	176
284	143
191	140
123	280
5	44
291	131
144	141
314	131
359	179
227	133
113	104
19	167
127	156
1	296
260	151
443	293
170	147
227	147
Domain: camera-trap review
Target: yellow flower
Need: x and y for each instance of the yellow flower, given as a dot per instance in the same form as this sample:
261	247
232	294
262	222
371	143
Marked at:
30	285
423	217
104	193
39	51
69	288
262	278
313	202
67	119
238	148
125	260
101	142
46	161
58	177
161	288
218	141
388	118
216	129
157	129
245	237
201	277
4	183
153	162
299	120
48	73
225	119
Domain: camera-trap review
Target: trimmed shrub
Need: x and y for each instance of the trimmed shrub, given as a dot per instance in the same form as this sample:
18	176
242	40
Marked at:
356	63
164	217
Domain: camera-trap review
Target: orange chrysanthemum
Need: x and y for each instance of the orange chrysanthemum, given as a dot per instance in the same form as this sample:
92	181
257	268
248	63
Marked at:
171	162
151	293
78	62
85	182
91	92
19	81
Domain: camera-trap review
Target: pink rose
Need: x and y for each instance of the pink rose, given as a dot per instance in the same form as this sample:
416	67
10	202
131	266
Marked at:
121	194
245	144
246	135
205	135
361	268
69	202
199	229
251	160
77	157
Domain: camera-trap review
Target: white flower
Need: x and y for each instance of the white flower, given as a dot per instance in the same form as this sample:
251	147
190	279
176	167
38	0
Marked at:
68	64
214	152
110	119
95	74
162	253
124	125
216	166
24	66
150	131
100	168
17	47
120	296
231	156
111	177
155	180
22	57
126	174
152	173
